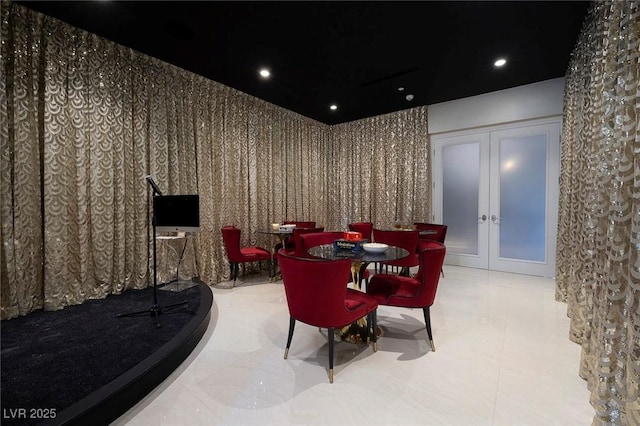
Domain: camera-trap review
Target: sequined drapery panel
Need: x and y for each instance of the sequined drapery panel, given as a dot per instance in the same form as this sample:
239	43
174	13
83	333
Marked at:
380	170
598	260
20	171
85	120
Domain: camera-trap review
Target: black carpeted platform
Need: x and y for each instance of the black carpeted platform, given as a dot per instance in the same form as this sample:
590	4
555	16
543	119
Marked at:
85	365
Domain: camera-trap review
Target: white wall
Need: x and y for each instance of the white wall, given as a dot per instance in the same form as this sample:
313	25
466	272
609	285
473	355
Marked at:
537	100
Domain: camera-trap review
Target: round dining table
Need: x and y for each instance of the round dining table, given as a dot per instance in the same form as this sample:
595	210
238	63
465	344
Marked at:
359	260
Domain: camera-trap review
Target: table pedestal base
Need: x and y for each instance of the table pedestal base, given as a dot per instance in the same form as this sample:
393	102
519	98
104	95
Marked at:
354	333
357	333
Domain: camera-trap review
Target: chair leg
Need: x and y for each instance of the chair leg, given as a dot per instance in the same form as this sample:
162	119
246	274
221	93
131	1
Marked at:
371	330
231	269
234	271
292	324
427	321
374	327
260	267
368	325
330	354
442	272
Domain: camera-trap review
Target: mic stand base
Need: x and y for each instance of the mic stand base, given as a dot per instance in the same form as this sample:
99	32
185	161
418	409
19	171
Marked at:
154	311
178	285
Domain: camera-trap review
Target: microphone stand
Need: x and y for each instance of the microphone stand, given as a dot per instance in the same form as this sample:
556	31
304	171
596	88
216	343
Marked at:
156	309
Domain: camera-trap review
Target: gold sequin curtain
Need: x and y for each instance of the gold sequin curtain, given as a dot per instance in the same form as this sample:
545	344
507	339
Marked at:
84	120
598	272
379	170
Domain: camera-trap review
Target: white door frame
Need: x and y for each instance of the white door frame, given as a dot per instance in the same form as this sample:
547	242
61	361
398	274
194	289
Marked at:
487	257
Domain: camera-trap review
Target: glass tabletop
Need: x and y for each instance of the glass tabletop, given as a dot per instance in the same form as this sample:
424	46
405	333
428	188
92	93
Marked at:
273	232
326	251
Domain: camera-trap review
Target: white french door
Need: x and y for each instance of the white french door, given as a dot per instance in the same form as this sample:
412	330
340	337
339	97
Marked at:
497	190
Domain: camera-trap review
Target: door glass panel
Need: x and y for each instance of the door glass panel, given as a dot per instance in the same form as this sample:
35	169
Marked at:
523	182
460	184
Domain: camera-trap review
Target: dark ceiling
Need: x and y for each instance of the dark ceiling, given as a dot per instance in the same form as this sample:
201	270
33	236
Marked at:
354	54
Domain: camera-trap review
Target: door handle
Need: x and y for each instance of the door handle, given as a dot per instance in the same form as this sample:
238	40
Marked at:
482	218
495	219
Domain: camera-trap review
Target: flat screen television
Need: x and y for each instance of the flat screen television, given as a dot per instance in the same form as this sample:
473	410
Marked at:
177	213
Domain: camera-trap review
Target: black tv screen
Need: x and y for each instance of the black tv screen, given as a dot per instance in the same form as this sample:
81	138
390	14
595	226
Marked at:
177	213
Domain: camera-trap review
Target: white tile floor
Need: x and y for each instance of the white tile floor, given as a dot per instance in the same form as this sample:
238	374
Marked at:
502	357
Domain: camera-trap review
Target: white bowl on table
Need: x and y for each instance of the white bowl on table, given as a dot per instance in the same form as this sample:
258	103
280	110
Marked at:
375	247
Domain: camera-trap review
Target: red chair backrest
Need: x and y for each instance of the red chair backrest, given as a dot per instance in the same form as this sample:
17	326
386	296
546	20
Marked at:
431	254
299	224
317	239
231	238
441	231
364	228
408	240
315	289
297	233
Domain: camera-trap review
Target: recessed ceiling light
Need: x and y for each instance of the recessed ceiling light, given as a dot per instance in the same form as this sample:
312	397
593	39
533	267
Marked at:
500	62
265	73
409	97
400	89
333	107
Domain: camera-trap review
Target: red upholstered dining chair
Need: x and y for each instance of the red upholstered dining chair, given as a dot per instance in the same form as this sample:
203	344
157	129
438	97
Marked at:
297	244
407	240
237	254
317	296
413	292
317	239
439	233
364	228
289	243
